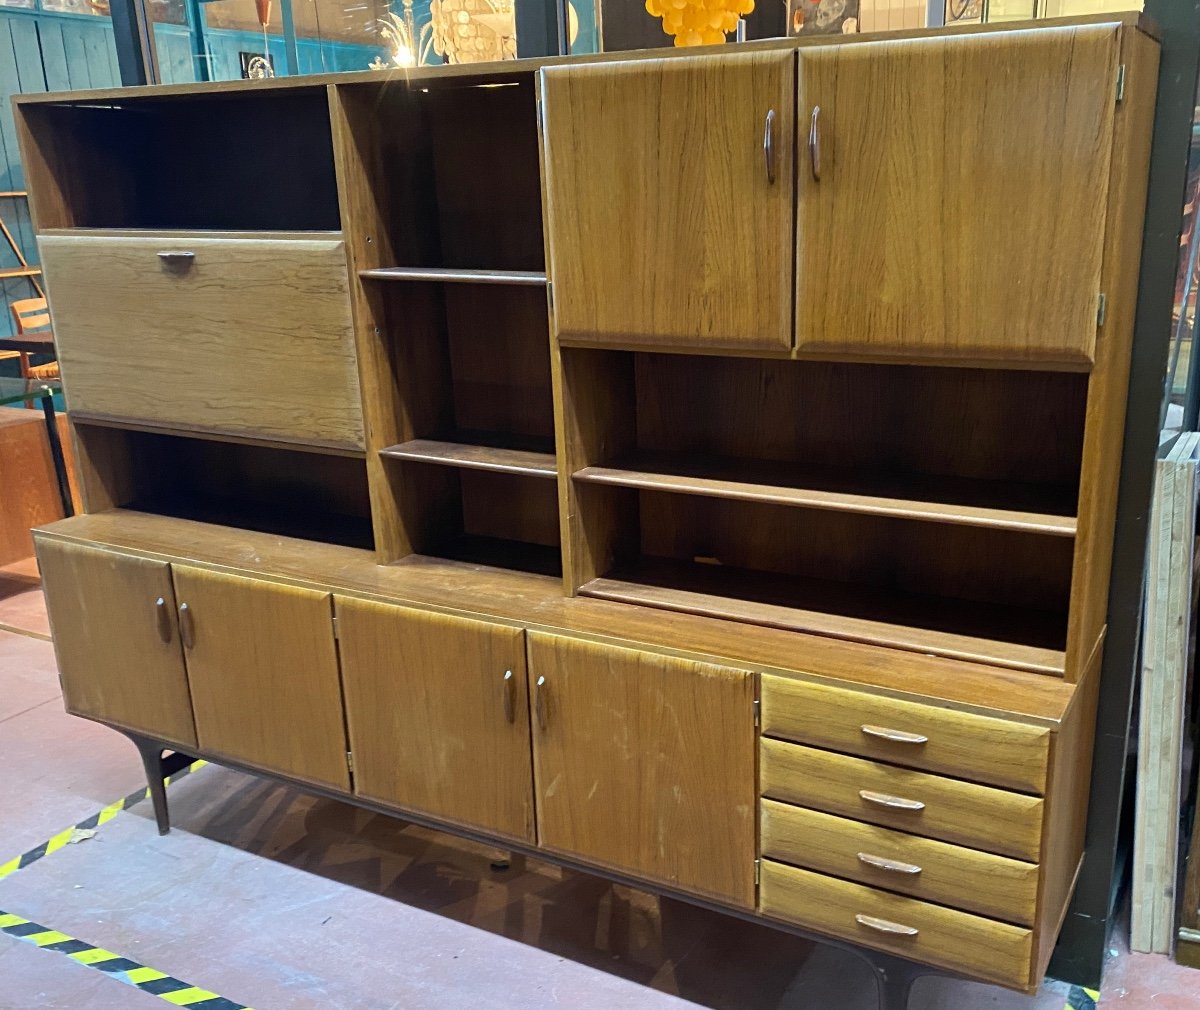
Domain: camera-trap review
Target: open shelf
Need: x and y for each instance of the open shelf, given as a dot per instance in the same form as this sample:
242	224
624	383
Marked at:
870	491
223	161
497	552
1004	635
534	278
496	458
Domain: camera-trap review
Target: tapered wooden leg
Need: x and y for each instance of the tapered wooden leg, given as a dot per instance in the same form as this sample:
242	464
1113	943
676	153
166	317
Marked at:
152	760
895	977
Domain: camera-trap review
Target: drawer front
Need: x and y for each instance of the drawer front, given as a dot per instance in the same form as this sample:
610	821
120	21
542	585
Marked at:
983	948
244	336
994	751
980	817
923	868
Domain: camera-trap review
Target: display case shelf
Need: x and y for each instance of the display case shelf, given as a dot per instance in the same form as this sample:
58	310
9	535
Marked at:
534	278
468	456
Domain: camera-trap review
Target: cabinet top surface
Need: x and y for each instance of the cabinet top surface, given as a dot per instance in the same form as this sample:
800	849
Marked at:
512	69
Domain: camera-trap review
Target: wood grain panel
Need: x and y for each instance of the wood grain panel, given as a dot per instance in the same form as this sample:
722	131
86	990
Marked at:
264	675
663	227
118	650
980	947
946	224
249	337
438	714
992	751
645	764
951	875
1008	824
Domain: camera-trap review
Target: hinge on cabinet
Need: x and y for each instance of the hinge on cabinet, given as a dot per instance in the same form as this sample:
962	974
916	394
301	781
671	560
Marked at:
550	294
1101	309
1121	83
336	633
350	761
757	713
757	872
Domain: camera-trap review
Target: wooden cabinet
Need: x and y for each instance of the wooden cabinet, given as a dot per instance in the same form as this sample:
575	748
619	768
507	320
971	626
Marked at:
645	764
262	664
231	335
951	197
669	201
113	617
438	713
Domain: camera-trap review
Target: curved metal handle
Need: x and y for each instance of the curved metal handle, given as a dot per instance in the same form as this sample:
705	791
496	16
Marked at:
891	865
884	926
187	631
894	735
539	702
163	616
769	146
510	696
177	259
886	800
814	143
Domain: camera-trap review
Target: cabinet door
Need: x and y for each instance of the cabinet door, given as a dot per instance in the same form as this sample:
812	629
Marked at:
113	617
438	714
960	206
263	668
645	764
669	201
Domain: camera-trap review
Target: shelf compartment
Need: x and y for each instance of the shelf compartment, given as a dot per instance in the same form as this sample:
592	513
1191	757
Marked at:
532	278
958	500
498	552
496	459
927	624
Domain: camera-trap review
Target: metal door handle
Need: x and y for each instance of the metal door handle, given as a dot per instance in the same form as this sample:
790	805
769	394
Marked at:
894	802
539	702
177	259
894	735
510	696
891	865
187	631
884	926
769	146
163	616
814	143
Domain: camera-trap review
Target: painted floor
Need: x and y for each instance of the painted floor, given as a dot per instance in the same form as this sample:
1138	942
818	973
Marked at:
264	897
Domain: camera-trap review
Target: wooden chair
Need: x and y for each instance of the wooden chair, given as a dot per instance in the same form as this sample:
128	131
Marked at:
30	315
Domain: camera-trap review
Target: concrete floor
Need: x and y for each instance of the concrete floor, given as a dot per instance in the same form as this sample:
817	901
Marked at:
274	899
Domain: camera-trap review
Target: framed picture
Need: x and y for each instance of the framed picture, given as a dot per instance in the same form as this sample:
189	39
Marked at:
822	17
257	65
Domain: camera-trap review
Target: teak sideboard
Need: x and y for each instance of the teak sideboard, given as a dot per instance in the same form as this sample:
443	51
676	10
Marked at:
695	467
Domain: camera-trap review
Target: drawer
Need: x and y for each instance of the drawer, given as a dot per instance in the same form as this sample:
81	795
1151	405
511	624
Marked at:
993	751
241	336
980	817
970	944
925	868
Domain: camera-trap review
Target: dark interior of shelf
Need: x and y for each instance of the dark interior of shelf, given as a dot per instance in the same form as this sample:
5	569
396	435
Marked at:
499	519
990	583
221	161
984	438
287	492
458	176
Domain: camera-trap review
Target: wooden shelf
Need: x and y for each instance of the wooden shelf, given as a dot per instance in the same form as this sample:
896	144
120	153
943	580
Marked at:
532	278
495	458
982	632
495	552
998	505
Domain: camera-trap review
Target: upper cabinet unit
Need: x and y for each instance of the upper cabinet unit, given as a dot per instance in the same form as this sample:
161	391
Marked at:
951	196
669	191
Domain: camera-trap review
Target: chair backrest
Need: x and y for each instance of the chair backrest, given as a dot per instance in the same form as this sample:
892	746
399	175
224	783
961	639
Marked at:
30	314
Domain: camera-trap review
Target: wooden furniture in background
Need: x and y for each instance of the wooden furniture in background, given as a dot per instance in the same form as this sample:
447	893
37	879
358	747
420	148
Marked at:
31	316
641	468
28	479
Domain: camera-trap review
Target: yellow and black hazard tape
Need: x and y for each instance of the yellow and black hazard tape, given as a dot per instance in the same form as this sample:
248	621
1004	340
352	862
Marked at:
148	980
88	824
1080	998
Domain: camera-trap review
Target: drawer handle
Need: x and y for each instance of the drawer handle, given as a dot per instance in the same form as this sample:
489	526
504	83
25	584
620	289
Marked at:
187	631
893	802
814	143
164	620
510	696
539	702
891	865
769	146
894	735
884	926
177	259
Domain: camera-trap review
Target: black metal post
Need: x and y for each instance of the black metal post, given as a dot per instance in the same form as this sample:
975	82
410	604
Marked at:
541	29
134	36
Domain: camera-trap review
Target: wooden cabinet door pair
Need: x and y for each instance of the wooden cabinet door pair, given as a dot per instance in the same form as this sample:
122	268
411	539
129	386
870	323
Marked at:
238	668
947	202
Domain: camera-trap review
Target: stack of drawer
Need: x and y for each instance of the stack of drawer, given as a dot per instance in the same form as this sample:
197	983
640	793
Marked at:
903	826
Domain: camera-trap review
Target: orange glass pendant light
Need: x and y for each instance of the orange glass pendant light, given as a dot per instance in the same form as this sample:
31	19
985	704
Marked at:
699	22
